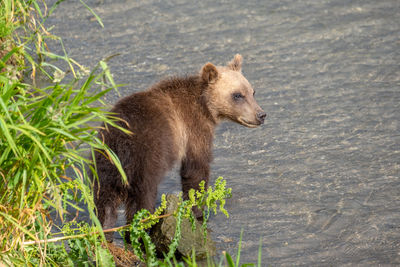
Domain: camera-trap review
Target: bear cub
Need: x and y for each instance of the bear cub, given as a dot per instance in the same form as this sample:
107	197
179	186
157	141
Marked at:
173	121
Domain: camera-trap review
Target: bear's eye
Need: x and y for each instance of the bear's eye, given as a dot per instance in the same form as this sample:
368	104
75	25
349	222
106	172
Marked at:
237	96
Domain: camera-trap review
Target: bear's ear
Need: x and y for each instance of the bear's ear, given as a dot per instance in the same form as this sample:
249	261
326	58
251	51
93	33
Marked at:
209	73
236	63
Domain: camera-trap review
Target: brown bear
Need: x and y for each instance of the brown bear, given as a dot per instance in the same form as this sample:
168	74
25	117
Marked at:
171	122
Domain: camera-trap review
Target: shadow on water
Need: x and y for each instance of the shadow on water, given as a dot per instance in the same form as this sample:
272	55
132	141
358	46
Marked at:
319	182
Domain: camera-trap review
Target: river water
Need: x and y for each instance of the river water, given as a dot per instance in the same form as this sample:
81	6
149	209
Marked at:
319	182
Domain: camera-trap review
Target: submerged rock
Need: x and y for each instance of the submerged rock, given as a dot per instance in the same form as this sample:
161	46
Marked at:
163	233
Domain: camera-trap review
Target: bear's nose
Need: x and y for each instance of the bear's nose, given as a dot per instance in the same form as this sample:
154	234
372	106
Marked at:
261	116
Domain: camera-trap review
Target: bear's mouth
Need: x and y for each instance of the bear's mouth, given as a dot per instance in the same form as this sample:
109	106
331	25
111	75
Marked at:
247	123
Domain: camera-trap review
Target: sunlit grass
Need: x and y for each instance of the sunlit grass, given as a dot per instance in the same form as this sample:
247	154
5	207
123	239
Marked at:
44	132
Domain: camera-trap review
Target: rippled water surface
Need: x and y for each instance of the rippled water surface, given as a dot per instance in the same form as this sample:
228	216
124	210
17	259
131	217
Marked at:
319	182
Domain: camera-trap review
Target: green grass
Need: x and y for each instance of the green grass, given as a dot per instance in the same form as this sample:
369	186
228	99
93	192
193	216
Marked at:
44	132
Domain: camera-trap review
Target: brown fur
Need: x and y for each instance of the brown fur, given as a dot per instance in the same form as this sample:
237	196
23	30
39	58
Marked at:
171	122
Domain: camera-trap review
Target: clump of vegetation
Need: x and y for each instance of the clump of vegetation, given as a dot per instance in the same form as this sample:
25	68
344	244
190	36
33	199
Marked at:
44	132
211	199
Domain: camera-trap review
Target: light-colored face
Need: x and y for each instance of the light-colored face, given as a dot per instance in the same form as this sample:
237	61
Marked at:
232	97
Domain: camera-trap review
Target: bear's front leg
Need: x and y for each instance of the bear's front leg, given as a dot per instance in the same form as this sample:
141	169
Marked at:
193	171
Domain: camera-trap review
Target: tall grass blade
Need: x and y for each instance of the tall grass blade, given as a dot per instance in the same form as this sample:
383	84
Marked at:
229	260
259	253
93	13
239	248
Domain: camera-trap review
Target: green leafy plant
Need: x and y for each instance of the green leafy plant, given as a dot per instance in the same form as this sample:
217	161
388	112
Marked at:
212	199
86	248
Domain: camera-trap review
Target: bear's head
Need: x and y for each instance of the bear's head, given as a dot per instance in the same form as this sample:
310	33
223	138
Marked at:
229	95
